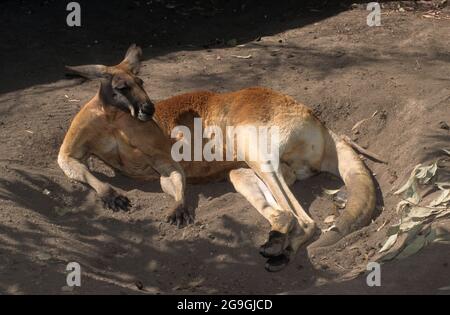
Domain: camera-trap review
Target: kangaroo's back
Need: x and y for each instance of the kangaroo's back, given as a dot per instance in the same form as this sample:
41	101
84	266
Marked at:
256	105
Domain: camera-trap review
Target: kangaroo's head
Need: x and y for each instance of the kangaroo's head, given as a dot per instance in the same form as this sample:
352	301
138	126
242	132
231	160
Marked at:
120	85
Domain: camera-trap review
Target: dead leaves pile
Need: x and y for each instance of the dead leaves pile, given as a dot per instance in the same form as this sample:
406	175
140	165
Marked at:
415	229
436	14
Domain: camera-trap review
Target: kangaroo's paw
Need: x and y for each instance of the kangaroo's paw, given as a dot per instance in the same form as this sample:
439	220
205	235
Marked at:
116	202
277	263
275	245
179	216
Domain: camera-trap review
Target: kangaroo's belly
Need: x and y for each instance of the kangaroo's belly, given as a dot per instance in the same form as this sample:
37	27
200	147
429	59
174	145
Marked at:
204	171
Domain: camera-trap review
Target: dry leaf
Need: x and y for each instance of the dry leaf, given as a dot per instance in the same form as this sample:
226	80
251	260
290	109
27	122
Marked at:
389	243
242	57
444	197
415	229
359	123
412	248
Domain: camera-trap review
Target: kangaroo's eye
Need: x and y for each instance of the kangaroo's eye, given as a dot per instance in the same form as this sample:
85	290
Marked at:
122	88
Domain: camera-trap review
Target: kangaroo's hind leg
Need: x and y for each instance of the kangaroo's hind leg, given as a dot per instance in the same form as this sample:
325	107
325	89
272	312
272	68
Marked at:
282	221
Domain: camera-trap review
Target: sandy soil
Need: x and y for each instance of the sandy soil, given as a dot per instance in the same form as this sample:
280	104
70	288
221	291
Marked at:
327	58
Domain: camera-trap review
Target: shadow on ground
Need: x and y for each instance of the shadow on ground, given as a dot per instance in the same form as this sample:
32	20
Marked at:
119	252
39	43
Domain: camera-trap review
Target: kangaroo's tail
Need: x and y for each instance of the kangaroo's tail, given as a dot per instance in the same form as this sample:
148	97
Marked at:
340	159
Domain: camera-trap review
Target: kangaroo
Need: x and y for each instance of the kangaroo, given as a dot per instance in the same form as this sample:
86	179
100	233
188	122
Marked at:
132	134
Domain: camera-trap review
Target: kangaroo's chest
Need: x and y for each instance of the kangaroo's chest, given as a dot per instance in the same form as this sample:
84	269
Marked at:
116	151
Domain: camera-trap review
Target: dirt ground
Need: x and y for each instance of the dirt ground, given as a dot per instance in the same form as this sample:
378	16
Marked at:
326	57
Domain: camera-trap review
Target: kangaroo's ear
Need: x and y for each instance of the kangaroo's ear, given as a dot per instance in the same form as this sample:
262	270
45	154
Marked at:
89	71
132	60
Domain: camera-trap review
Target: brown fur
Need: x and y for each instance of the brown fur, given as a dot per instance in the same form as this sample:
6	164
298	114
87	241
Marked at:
142	150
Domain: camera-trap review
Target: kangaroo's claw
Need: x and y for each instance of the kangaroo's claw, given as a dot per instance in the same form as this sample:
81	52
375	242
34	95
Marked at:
180	216
116	202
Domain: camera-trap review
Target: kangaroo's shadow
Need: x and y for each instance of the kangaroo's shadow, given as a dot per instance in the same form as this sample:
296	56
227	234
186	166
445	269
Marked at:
306	191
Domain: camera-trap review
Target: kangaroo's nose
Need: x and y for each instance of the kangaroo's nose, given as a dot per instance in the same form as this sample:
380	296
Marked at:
148	108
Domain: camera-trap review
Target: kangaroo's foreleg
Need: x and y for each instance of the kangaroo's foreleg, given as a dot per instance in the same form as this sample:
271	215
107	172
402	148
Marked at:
76	170
173	182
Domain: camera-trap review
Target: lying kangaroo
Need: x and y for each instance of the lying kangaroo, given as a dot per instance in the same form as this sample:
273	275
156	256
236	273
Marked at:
129	132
